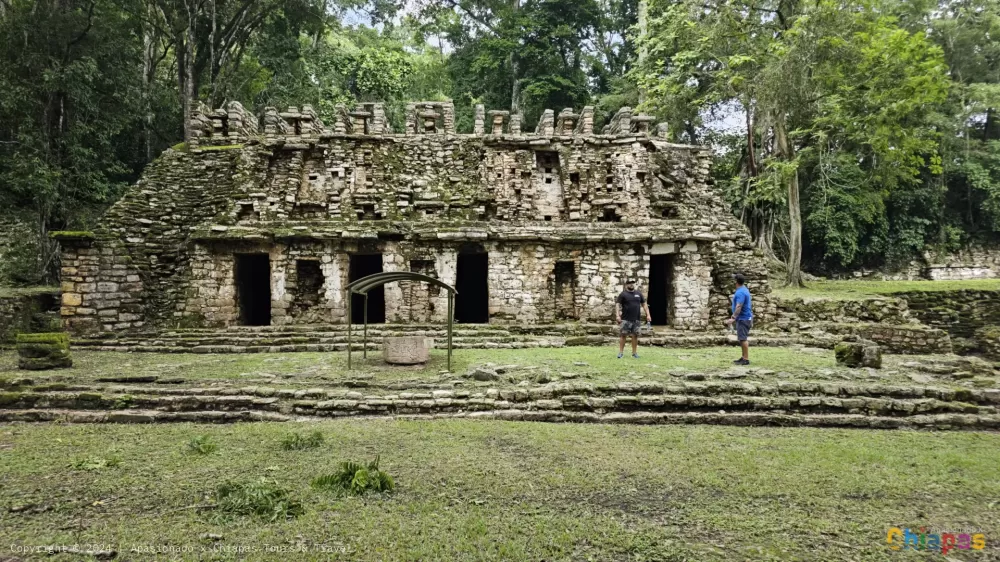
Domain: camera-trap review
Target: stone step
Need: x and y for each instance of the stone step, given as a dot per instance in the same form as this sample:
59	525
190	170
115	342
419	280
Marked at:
216	342
651	396
350	389
271	341
755	419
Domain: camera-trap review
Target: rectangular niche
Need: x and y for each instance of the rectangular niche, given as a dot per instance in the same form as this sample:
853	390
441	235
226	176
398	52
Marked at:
308	292
549	202
565	290
418	294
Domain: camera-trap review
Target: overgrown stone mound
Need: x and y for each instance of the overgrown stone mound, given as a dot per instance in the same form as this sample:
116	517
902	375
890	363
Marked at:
988	341
40	352
859	353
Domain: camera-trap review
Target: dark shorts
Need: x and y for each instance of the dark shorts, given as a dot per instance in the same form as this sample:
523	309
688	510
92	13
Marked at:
630	327
743	329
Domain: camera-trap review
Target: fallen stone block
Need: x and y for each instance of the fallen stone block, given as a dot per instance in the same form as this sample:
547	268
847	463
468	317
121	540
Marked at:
858	354
40	352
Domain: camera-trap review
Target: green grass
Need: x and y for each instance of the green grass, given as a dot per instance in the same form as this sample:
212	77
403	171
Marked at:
469	491
596	363
536	366
853	290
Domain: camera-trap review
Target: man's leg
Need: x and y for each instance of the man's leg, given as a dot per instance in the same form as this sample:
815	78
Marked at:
635	344
746	349
621	344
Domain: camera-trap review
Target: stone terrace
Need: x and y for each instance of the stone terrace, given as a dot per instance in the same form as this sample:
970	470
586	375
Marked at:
934	392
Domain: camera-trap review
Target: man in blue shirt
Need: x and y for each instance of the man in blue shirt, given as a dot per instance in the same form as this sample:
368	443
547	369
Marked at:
742	316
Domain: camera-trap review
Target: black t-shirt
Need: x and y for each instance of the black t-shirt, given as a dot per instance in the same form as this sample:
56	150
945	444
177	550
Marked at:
631	302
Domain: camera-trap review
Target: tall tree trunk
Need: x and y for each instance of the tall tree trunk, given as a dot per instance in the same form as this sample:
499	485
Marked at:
148	76
182	83
185	65
643	21
787	152
515	93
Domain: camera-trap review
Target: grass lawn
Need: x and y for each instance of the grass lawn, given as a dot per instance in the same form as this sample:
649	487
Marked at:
595	364
852	289
469	490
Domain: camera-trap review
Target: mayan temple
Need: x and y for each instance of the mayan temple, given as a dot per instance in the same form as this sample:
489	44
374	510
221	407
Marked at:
264	222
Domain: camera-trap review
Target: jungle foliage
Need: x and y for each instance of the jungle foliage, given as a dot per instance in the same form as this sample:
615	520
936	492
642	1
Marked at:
851	132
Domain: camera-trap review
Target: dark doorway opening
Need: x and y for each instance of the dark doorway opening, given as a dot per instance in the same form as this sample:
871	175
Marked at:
659	289
565	290
363	265
472	304
253	289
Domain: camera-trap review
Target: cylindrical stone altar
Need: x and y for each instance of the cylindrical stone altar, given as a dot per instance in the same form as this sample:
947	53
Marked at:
406	350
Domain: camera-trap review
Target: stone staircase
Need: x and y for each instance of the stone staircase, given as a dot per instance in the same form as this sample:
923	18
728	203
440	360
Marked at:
717	400
334	337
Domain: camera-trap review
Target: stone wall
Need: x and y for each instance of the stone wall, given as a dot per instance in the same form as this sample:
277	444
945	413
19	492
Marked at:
27	311
565	216
960	313
974	262
523	281
794	313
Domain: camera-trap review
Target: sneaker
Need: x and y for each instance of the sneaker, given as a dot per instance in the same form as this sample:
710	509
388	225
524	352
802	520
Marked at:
620	355
635	356
741	361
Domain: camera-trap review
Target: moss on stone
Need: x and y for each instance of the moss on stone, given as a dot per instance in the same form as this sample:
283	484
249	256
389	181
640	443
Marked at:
60	339
38	352
8	398
72	235
220	148
180	147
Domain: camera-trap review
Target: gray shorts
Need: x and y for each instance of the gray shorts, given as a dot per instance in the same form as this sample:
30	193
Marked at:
630	327
743	329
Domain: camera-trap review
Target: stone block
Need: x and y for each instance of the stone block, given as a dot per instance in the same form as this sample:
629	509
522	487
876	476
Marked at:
858	354
406	350
39	352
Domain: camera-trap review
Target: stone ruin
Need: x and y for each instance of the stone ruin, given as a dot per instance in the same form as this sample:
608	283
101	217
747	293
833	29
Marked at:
266	221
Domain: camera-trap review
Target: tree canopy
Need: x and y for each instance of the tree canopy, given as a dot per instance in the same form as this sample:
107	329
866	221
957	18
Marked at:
848	133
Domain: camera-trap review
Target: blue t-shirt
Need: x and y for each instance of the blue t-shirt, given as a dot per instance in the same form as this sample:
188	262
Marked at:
742	296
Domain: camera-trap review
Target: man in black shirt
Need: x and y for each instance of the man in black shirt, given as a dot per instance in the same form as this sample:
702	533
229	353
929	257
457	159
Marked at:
627	309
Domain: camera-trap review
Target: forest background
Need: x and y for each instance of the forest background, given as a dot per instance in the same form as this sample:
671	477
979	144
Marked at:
849	134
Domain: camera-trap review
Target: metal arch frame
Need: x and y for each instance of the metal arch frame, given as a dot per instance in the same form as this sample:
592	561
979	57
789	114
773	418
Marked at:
365	284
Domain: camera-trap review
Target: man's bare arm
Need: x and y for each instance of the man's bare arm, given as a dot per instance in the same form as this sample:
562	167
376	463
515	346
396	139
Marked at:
645	308
618	311
736	313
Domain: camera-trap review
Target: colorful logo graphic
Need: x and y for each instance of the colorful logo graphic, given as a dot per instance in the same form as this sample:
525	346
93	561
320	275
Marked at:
905	539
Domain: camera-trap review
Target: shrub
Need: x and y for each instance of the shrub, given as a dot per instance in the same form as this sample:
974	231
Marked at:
202	445
356	479
95	463
298	442
263	499
123	402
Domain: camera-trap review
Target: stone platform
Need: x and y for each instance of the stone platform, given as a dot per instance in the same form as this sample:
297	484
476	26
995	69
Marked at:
333	337
714	402
948	393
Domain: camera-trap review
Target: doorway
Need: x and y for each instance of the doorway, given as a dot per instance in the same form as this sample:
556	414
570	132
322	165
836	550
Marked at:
659	288
363	265
253	289
472	304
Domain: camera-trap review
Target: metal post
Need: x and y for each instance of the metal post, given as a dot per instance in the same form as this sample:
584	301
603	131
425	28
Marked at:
451	316
349	318
364	351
